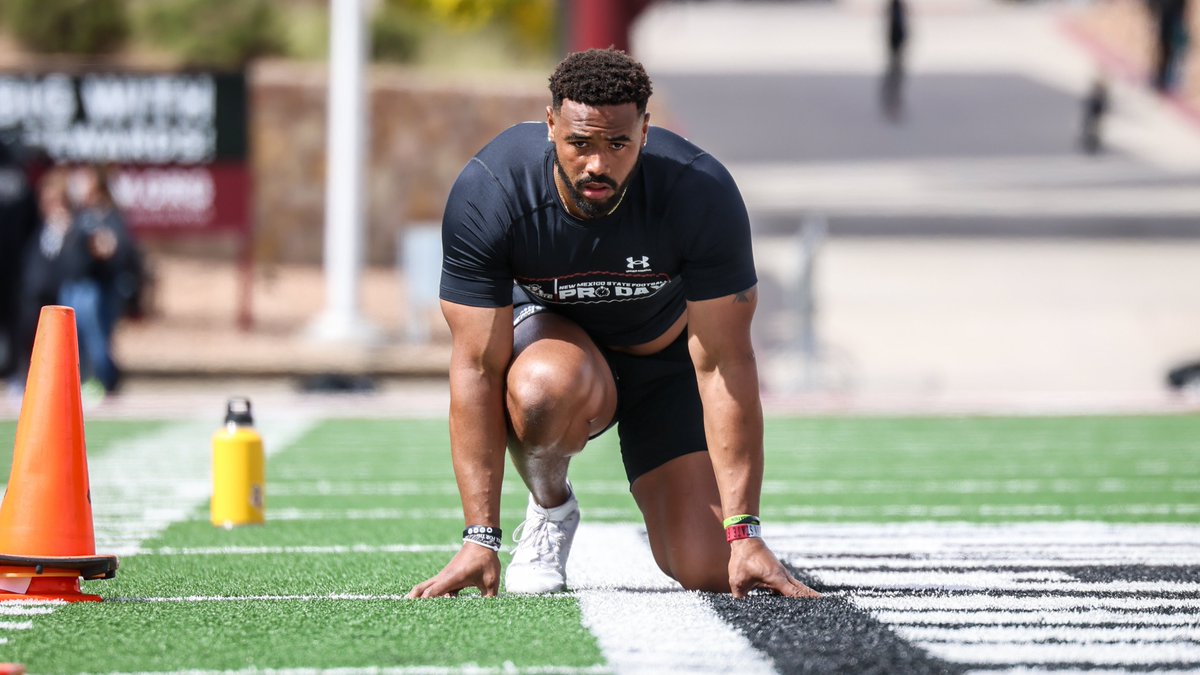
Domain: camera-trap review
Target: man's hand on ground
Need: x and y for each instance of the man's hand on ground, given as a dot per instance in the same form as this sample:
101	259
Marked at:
752	565
472	567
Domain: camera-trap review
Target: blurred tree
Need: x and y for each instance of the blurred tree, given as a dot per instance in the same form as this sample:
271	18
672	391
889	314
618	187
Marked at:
68	26
214	33
401	29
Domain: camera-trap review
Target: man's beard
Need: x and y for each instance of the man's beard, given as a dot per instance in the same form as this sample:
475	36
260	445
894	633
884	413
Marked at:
588	208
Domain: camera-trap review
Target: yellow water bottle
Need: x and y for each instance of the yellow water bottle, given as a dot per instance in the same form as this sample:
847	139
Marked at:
238	472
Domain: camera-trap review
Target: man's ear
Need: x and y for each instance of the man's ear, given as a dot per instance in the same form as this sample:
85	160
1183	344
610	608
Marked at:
550	123
645	129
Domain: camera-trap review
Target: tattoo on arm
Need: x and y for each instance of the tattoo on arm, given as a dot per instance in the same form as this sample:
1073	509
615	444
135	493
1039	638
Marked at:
742	296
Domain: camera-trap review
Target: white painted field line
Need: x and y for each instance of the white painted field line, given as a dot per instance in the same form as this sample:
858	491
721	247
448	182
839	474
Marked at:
26	609
1066	541
1109	654
334	597
968	634
1006	511
980	602
507	669
16	625
301	550
643	621
368	487
303	514
816	563
1025	670
991	581
1061	533
1035	617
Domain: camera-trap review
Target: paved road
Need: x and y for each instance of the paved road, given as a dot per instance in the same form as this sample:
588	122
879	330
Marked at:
973	249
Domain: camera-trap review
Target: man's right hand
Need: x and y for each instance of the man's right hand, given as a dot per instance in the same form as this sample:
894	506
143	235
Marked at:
472	567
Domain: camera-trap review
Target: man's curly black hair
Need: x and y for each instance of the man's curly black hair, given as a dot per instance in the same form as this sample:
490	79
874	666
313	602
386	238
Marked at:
600	77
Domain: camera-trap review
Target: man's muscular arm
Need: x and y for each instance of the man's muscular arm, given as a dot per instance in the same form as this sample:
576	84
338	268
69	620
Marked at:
482	348
728	377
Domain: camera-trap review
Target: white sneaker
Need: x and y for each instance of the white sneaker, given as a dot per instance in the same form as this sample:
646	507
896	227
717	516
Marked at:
539	563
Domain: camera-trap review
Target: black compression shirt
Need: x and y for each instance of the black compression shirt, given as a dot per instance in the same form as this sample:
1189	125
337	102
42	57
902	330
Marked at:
680	233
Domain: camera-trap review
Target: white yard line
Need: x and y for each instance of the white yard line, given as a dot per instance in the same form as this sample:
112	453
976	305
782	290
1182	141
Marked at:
330	597
988	603
643	621
1025	670
325	488
777	513
997	511
305	514
968	634
302	550
991	581
1070	617
509	668
1085	559
1109	654
18	608
992	542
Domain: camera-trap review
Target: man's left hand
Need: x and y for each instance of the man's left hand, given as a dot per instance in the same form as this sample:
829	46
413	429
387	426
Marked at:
752	565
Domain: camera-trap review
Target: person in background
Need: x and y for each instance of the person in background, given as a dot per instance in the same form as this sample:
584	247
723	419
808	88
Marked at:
18	221
41	267
98	256
1095	105
892	93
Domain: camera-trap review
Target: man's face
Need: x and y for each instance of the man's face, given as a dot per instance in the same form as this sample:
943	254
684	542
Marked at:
596	150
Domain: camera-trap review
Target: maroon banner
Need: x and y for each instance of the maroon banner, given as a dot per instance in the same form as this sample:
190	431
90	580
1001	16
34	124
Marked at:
173	200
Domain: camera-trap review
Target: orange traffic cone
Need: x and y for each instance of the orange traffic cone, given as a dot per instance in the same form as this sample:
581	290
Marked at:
46	537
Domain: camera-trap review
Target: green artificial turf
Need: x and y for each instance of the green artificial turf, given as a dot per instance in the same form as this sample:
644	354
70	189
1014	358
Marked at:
385	490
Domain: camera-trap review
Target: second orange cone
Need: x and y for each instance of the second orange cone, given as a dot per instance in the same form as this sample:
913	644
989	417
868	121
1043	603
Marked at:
46	538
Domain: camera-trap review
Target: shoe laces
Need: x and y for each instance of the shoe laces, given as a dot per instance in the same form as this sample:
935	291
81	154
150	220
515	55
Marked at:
539	537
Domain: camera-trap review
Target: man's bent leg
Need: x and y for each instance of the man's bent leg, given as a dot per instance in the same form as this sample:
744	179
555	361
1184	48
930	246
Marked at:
682	509
560	392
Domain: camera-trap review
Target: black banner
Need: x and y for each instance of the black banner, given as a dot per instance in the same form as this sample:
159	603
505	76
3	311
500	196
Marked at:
128	118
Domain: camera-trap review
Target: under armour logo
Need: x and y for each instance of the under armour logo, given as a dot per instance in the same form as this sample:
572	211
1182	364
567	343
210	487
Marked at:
635	263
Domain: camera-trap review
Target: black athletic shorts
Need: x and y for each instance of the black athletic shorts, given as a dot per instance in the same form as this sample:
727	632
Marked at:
659	416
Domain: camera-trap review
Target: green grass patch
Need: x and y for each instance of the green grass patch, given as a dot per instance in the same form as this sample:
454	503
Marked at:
141	637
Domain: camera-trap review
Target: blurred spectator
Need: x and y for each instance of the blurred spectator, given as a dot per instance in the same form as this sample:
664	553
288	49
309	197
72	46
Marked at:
1095	105
100	266
18	220
41	267
896	19
1172	39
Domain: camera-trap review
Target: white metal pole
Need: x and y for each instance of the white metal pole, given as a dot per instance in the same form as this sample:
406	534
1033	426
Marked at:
345	167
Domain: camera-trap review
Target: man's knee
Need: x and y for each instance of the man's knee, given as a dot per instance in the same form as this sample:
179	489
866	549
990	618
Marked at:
544	398
538	391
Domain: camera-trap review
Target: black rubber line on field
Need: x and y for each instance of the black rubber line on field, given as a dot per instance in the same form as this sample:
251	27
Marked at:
828	635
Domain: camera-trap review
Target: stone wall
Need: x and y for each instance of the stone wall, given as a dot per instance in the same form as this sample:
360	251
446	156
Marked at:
422	131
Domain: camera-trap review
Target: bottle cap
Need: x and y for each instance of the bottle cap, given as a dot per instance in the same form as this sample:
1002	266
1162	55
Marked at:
237	411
